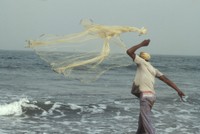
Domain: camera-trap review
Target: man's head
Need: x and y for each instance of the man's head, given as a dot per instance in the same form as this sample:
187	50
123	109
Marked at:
145	56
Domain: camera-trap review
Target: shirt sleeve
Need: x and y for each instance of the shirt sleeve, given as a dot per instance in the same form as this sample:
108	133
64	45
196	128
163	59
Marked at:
138	59
158	73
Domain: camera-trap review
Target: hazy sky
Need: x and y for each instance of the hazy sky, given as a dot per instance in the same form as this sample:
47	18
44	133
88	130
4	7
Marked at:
173	25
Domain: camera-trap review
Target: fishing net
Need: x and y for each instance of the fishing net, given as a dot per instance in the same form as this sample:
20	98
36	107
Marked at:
85	55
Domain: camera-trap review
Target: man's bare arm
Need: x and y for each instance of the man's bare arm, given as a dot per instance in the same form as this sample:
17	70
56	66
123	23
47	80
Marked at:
131	51
171	84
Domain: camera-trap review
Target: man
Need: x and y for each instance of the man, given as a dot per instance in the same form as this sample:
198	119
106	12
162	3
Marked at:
143	86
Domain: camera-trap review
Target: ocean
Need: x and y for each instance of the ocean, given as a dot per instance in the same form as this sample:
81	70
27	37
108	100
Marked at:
36	100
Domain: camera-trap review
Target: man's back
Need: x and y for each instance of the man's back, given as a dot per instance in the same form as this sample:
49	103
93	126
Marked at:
145	75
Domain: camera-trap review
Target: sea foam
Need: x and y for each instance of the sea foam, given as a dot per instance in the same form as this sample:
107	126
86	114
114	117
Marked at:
14	108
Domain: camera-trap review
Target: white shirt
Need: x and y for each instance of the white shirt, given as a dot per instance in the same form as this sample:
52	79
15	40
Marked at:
145	75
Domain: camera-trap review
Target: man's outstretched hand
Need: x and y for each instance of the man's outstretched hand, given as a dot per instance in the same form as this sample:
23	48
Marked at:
181	94
145	42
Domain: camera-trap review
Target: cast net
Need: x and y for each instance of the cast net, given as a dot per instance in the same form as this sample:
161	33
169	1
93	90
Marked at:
85	55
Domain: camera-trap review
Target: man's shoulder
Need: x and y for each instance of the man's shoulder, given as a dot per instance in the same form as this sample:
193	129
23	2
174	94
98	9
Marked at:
138	59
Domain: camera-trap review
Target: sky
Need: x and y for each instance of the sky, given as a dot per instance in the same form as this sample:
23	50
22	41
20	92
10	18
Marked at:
173	25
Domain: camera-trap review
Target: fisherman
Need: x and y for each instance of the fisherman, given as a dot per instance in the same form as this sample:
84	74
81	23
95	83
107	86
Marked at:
143	86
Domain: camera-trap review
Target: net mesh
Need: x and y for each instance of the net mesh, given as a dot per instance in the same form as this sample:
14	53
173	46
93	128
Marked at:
82	55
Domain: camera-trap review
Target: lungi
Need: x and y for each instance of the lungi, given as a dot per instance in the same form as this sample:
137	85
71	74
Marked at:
145	125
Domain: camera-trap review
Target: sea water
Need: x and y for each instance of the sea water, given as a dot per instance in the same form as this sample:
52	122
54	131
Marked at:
36	100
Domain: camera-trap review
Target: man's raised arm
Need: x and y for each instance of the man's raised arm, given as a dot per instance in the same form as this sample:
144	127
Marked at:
131	51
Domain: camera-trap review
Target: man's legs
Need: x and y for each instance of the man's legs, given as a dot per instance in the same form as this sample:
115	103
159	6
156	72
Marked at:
140	129
145	124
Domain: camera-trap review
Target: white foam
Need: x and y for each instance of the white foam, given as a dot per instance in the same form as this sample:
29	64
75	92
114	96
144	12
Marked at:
171	129
14	108
119	117
93	109
118	102
74	106
127	108
66	123
48	102
50	111
96	109
102	106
